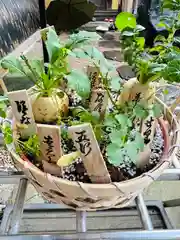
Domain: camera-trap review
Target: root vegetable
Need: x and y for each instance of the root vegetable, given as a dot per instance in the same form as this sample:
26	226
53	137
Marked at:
47	109
133	88
68	159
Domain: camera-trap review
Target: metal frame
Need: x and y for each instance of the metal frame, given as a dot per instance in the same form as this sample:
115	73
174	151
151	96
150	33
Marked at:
13	214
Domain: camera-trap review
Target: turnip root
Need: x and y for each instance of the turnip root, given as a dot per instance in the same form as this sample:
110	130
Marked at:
48	109
67	159
133	88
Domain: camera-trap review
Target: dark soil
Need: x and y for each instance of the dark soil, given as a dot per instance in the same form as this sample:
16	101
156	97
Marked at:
77	172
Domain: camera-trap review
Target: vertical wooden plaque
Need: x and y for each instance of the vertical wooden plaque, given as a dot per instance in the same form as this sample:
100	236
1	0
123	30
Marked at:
22	111
86	143
99	101
50	142
93	75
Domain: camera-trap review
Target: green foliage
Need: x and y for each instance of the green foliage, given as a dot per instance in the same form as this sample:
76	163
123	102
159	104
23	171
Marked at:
7	133
124	20
79	82
31	147
152	63
173	5
172	71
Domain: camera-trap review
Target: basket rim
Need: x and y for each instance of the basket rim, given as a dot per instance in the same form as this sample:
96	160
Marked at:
161	165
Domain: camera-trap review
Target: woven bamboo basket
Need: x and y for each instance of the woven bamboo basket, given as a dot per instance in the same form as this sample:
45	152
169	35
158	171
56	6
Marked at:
83	196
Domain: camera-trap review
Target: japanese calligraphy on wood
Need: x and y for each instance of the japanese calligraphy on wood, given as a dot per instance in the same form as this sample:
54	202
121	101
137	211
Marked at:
99	100
93	75
85	141
22	111
148	127
50	142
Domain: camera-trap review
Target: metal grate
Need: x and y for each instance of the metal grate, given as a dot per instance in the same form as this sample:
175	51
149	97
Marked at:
15	218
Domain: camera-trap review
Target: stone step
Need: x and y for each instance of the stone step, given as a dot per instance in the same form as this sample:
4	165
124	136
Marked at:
109	44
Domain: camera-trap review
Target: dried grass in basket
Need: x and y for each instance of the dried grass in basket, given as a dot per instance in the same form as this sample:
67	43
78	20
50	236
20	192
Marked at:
83	196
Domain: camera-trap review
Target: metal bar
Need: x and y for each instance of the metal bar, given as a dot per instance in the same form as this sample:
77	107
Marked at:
18	207
81	222
172	203
123	235
11	177
144	215
5	219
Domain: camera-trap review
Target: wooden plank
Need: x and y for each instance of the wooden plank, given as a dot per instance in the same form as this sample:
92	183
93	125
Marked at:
44	32
86	143
50	142
93	75
147	131
22	111
99	101
3	86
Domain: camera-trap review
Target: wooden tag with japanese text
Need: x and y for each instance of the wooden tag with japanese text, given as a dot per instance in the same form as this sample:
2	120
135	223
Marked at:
22	111
93	75
99	101
86	143
50	142
147	131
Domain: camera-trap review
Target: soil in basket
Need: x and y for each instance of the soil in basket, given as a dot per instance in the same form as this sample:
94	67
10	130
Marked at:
77	172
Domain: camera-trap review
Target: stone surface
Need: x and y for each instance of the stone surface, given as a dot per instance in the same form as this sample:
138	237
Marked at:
125	72
111	36
91	26
114	55
109	44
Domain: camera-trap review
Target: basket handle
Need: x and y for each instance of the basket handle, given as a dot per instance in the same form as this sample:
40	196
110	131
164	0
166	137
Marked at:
174	107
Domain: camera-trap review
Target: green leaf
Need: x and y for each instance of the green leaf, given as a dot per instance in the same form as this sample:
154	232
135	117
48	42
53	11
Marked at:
160	38
140	112
172	71
123	120
14	65
157	110
139	141
79	82
7	132
115	154
128	33
110	121
53	45
116	83
139	28
165	91
132	151
177	40
125	20
140	41
116	136
2	113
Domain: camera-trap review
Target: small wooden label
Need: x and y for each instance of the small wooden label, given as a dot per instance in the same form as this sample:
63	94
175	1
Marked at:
99	101
93	75
22	111
50	142
86	143
148	127
148	130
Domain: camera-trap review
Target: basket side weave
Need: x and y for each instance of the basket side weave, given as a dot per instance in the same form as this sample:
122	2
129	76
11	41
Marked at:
83	196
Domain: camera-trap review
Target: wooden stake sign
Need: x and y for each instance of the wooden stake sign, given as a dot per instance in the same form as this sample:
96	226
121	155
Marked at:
99	101
147	131
86	143
50	142
45	31
22	111
93	75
